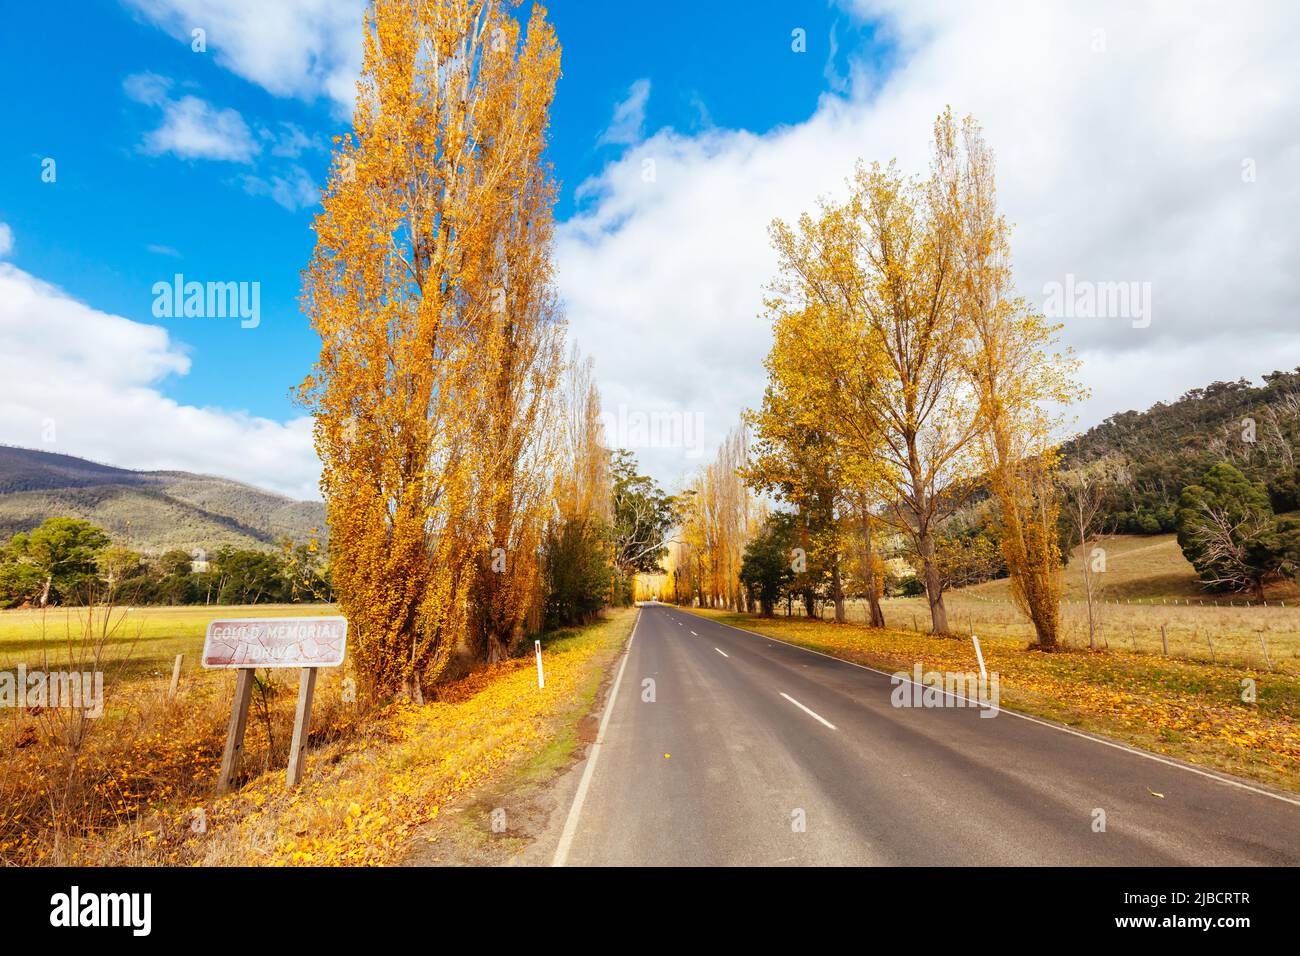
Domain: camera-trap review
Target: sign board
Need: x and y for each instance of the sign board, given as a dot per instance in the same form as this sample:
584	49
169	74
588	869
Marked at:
276	642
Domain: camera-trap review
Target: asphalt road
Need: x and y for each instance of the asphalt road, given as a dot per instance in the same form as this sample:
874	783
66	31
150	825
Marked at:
755	752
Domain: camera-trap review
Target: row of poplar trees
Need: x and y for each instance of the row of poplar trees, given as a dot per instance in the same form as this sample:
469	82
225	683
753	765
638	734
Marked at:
906	375
453	433
717	515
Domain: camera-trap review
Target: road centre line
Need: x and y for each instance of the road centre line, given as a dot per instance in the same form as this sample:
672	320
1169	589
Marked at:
806	710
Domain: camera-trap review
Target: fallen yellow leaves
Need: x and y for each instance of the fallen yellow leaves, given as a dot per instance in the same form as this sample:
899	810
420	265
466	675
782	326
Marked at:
361	803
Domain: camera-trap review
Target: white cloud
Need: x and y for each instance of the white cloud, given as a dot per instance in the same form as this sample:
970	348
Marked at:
295	190
192	128
6	240
629	116
90	381
1124	164
147	88
300	48
291	141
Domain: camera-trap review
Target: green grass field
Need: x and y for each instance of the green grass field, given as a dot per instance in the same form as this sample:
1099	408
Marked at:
138	643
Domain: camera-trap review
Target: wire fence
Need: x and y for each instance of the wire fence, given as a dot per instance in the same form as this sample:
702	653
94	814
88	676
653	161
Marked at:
1259	635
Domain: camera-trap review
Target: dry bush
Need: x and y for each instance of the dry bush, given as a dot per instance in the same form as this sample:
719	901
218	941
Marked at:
66	776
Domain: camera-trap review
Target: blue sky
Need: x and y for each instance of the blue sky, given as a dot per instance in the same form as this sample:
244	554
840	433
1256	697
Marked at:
121	217
1123	134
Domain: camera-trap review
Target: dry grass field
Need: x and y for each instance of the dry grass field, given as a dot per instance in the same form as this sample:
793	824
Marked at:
1147	584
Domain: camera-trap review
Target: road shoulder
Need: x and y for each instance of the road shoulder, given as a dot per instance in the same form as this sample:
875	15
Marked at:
515	819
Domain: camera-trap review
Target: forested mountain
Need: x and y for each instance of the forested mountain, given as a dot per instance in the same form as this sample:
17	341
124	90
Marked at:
1172	445
149	511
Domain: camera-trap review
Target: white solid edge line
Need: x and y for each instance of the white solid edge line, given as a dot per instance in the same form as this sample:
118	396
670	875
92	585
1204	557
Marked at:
571	822
810	712
722	652
1228	781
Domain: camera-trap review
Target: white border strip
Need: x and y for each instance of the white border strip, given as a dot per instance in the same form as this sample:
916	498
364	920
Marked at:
571	822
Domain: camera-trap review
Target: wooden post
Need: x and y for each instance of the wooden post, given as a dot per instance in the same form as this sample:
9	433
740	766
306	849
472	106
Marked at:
1164	640
235	732
176	675
301	726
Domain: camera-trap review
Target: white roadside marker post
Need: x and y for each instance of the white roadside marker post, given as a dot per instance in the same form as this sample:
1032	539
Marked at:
979	656
541	679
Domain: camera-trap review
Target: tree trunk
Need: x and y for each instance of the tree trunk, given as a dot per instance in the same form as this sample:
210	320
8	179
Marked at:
1092	621
45	591
809	603
873	587
497	649
412	690
933	587
837	592
873	603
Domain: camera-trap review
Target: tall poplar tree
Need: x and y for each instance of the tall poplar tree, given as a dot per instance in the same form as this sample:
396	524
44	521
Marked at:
429	250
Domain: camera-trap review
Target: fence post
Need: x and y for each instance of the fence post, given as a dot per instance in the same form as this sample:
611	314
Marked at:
176	675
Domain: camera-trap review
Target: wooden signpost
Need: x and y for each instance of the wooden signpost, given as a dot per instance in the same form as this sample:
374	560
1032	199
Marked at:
246	644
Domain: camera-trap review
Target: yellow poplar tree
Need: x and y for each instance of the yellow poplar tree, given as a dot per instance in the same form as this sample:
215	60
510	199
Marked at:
409	251
825	366
718	517
796	456
1015	375
898	275
519	347
578	550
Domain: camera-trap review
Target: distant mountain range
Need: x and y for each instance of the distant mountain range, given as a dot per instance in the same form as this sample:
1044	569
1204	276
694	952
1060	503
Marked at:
150	511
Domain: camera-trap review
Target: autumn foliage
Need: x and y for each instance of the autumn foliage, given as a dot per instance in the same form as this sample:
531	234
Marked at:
905	377
431	288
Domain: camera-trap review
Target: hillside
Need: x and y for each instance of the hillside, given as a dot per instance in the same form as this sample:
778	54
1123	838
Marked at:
151	511
1172	445
1138	568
